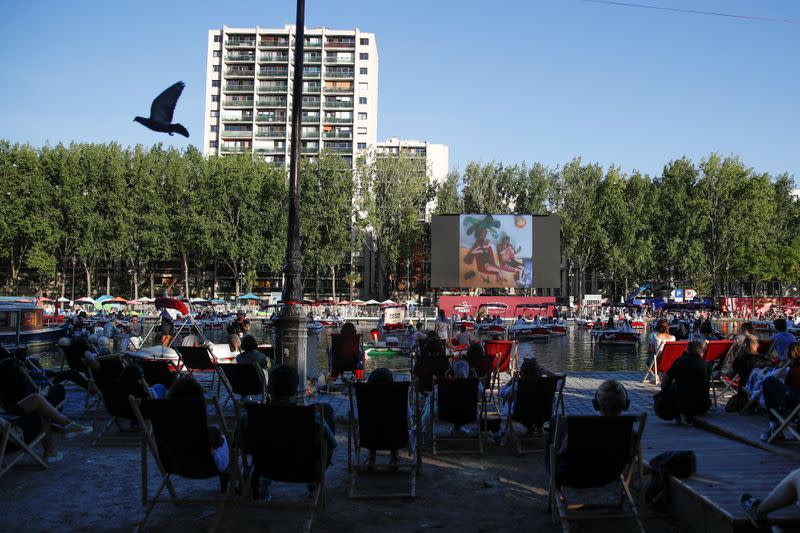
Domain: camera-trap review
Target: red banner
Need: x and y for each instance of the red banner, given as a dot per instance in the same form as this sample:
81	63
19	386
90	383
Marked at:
447	303
759	306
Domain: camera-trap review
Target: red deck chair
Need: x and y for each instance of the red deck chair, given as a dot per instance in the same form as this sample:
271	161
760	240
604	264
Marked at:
345	355
732	383
716	352
504	354
661	364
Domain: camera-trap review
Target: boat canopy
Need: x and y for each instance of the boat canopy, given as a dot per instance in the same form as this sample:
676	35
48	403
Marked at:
493	305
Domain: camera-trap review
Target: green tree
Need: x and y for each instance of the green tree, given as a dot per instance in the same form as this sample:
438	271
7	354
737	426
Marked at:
534	189
490	188
446	196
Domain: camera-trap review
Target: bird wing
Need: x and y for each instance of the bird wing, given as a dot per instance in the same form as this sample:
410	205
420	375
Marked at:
163	106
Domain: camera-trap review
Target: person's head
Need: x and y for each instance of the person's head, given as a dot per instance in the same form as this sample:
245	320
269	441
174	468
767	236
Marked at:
530	368
610	398
249	343
380	375
432	345
695	348
240	315
134	320
283	383
705	328
441	314
662	326
747	327
780	324
474	351
185	387
348	328
460	369
419	326
751	341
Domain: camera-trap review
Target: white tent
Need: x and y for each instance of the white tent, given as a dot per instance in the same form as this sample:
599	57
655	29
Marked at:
63	300
146	300
372	302
388	302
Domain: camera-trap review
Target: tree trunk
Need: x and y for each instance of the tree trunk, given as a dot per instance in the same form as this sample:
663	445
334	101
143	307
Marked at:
135	283
109	272
185	258
152	284
316	283
88	280
333	283
216	284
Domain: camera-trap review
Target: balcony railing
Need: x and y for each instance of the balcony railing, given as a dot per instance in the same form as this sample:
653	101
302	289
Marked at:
338	103
240	73
235	149
273	43
316	58
240	57
309	149
233	87
309	134
236	134
311	88
340	60
280	150
241	42
336	90
237	103
308	120
273	88
310	103
340	148
340	74
338	135
312	73
271	58
272	134
237	119
340	44
272	102
269	119
338	120
313	43
273	73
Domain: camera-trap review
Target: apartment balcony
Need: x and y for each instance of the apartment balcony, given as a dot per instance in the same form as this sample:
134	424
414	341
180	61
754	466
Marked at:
239	73
316	58
237	103
335	103
266	44
338	120
313	43
310	103
314	135
340	74
278	119
273	88
236	88
237	134
274	58
309	149
339	44
311	74
272	150
340	149
309	120
271	73
339	60
338	90
239	120
240	57
234	149
271	102
271	134
311	89
240	43
338	135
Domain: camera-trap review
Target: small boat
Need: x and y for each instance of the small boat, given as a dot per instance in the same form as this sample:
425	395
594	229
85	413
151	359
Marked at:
617	337
491	329
221	352
638	324
557	329
584	323
462	310
763	325
23	325
536	329
381	349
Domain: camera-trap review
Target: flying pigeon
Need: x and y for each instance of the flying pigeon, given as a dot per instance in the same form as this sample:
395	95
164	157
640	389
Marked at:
161	112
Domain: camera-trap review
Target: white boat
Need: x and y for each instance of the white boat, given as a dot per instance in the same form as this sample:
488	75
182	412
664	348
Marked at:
617	337
492	329
221	352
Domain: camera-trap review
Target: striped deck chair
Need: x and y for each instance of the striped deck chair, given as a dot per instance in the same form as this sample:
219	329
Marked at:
663	362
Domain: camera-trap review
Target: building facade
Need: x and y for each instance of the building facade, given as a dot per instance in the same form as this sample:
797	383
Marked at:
249	86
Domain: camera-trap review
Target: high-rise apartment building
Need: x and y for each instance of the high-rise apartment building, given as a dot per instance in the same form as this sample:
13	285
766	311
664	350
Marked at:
249	88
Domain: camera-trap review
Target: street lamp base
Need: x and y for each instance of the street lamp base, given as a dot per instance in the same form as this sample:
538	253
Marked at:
292	340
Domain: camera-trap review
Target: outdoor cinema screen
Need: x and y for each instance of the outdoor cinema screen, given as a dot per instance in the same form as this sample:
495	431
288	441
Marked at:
495	251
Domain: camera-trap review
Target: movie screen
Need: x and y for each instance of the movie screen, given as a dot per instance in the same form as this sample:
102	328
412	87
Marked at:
496	251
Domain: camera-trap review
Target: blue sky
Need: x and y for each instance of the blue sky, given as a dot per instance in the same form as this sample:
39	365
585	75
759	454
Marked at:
513	81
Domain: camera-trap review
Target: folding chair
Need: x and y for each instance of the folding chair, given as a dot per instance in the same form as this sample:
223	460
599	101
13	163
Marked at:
663	362
484	367
345	356
115	398
158	371
74	359
176	433
287	443
785	424
715	353
458	402
424	370
247	380
200	359
600	451
382	424
18	435
505	359
532	405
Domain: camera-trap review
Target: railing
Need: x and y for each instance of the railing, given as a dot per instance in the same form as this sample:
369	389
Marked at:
309	134
309	149
312	73
338	120
273	73
234	148
270	119
277	43
240	42
339	74
273	88
240	57
274	58
340	148
338	89
238	72
340	44
314	43
311	103
338	135
272	102
237	103
316	58
307	120
271	134
272	150
236	87
237	119
335	103
311	88
340	60
237	134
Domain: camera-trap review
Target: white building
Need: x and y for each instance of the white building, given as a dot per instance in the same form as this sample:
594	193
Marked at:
249	86
436	159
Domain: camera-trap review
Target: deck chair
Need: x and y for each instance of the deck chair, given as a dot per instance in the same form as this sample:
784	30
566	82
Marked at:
200	359
532	404
176	434
505	359
426	367
18	435
158	371
287	444
115	399
458	402
382	424
73	358
713	355
600	451
248	381
484	367
664	361
345	355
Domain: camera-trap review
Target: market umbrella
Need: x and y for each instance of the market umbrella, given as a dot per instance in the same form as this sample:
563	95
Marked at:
117	300
85	300
388	302
358	302
63	300
249	296
372	302
45	300
217	301
146	300
343	302
104	298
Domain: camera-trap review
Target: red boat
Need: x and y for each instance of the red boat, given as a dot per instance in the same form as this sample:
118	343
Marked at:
617	337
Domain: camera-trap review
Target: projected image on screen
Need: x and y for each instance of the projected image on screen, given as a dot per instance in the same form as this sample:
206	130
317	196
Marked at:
496	250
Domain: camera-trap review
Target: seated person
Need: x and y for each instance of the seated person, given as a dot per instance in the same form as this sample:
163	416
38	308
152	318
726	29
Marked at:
381	375
661	337
781	391
748	359
786	493
530	369
686	385
463	338
782	339
611	399
192	339
18	396
132	380
39	379
250	353
186	387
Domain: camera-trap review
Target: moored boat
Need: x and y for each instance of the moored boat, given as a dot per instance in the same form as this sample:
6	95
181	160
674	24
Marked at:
23	324
617	337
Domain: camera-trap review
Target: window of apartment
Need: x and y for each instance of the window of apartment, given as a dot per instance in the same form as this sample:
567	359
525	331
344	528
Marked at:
362	99
362	116
362	70
362	86
364	41
217	53
216	68
218	38
362	131
215	83
214	114
362	146
212	144
214	128
363	55
215	98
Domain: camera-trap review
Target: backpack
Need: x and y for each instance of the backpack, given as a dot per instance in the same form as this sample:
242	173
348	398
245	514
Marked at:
737	402
679	463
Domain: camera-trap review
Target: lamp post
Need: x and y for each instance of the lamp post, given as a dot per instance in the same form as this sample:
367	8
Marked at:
292	333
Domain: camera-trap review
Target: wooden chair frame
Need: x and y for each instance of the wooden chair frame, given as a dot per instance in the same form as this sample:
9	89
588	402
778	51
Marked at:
566	511
216	374
7	436
480	421
128	437
654	370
